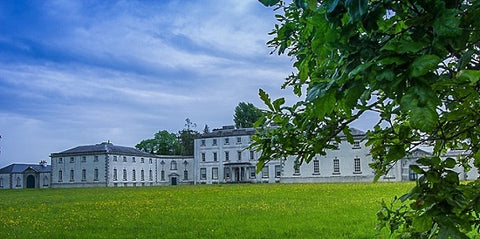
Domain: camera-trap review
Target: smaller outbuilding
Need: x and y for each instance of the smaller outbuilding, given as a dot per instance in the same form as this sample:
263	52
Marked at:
17	176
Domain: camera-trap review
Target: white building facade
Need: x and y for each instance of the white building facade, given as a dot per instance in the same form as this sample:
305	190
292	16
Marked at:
18	176
108	165
222	156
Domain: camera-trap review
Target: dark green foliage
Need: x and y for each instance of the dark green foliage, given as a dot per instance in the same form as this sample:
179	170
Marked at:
246	114
163	143
414	62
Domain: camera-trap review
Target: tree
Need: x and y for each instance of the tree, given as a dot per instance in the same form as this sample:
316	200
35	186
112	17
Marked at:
246	114
417	64
187	136
163	143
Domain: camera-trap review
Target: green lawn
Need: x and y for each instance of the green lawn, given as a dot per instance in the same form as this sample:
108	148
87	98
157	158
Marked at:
201	211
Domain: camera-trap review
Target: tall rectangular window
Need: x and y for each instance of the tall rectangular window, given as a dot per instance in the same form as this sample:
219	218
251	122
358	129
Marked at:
239	140
60	175
124	159
336	166
227	156
115	176
124	175
134	175
265	172
142	160
202	142
203	173
356	145
150	161
214	173
252	155
253	172
316	166
227	173
239	153
95	158
60	160
134	160
72	175
278	171
84	175
115	159
84	159
214	142
150	175
95	174
357	165
203	157
185	174
162	175
142	175
227	141
296	170
72	160
215	156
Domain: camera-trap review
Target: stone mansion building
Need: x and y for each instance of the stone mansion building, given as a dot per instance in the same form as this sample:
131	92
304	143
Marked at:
220	156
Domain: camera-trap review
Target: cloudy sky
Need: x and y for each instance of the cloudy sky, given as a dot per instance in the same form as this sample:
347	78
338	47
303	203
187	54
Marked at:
82	72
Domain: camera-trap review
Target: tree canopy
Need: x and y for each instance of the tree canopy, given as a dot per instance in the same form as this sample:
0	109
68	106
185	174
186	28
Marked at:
416	64
246	114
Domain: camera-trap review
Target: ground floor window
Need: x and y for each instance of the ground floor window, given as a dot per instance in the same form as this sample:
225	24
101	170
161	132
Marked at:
185	175
115	178
336	166
214	173
316	166
265	172
357	165
162	175
227	173
203	173
72	175
253	174
95	174
278	171
84	175
60	175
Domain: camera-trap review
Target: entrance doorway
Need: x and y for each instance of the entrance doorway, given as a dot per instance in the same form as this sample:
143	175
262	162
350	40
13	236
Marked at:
30	181
174	180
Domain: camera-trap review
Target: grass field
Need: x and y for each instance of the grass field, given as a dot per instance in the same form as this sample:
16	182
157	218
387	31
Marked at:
202	211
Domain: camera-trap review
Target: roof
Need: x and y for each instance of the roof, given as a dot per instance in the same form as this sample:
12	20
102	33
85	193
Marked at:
20	168
232	131
103	148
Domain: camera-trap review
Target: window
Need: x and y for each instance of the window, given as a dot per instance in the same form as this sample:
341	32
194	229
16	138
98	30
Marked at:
215	156
150	175
214	173
95	159
203	173
134	175
60	160
296	170
142	160
45	181
214	142
95	174
19	182
150	161
162	175
84	175
203	157
227	173
227	156
253	174
60	175
84	159
173	165
316	166
124	159
124	175
1	182
142	175
134	160
115	177
72	160
265	171
202	143
227	140
72	175
336	166
239	140
278	171
356	145
239	155
357	167
185	174
114	158
252	155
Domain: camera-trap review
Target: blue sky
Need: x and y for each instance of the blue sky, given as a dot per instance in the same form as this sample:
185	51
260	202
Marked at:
82	72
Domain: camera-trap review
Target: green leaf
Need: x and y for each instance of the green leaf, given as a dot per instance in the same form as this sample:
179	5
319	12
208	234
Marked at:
423	64
277	103
417	169
422	223
465	59
450	163
447	24
395	152
331	7
266	99
470	75
269	3
356	8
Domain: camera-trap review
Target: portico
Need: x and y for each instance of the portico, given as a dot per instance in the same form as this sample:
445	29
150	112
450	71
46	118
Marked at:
237	172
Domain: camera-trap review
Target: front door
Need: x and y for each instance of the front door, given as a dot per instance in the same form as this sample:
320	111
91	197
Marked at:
30	181
174	180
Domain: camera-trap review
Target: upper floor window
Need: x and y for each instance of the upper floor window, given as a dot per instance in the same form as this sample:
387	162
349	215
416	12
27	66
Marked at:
60	160
239	153
72	160
142	160
215	156
203	157
150	161
134	160
124	159
214	142
239	140
227	156
356	144
227	140
202	142
114	158
95	159
252	155
84	159
173	165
